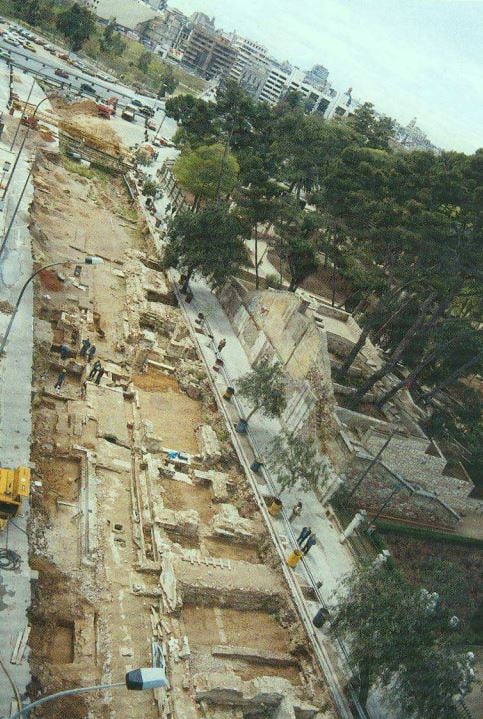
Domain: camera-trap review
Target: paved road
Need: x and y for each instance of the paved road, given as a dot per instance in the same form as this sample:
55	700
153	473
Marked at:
43	64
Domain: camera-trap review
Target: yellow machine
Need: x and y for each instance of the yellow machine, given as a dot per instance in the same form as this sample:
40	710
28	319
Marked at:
14	486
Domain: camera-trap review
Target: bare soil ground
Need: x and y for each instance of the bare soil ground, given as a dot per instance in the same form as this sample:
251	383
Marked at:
173	414
319	283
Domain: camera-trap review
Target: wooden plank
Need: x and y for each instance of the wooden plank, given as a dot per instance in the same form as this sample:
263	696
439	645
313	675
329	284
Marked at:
23	644
15	650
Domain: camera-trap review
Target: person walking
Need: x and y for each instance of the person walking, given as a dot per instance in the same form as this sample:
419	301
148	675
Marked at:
221	344
95	369
304	534
91	352
296	511
85	346
100	373
60	380
64	351
309	543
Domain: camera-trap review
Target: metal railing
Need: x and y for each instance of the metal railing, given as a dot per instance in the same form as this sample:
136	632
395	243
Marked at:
271	484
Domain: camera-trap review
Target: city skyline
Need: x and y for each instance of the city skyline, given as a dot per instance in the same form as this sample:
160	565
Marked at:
417	58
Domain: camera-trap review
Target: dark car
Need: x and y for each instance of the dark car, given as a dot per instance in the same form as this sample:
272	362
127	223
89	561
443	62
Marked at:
61	73
136	102
85	87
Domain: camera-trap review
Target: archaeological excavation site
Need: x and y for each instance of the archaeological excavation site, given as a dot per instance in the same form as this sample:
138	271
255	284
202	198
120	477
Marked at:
147	545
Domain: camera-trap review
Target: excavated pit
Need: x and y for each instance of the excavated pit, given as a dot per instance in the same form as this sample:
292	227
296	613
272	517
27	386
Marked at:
140	549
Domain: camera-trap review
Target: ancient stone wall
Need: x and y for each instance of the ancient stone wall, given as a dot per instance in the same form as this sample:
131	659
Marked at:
377	486
272	325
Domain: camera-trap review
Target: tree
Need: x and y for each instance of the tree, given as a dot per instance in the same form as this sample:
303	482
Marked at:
144	60
207	243
168	81
400	635
112	41
150	188
265	389
198	172
293	459
301	260
296	245
76	24
375	130
257	203
196	120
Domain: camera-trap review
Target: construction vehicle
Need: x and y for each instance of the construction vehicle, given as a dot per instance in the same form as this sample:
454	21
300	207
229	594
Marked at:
129	113
30	122
112	101
104	110
14	486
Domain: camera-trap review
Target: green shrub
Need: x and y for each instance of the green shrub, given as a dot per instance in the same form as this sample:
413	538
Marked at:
427	534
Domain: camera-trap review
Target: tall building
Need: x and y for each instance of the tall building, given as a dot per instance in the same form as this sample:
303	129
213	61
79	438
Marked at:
209	52
318	76
200	18
157	4
274	86
250	54
169	31
281	79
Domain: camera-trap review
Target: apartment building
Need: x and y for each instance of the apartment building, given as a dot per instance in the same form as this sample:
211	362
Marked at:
209	52
250	54
318	76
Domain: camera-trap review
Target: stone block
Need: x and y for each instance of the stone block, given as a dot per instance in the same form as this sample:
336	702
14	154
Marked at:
219	483
153	444
208	443
186	523
228	523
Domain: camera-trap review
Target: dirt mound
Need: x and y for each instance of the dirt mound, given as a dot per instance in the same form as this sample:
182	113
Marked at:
50	281
80	120
70	110
6	308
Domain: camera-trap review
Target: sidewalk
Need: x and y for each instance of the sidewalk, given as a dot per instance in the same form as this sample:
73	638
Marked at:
329	560
15	397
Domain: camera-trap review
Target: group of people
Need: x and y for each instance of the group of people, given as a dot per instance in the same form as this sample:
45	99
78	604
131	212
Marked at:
306	538
87	350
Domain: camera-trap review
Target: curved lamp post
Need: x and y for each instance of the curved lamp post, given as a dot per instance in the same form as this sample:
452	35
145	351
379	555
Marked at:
138	680
87	260
22	144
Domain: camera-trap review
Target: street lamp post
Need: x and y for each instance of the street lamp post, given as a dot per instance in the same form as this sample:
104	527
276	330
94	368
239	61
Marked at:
22	115
160	126
137	680
371	464
87	260
22	145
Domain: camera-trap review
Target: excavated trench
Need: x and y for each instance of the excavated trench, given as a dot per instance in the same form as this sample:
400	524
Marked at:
135	548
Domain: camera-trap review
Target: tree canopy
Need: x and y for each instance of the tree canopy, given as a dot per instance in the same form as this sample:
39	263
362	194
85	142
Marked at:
401	636
207	243
206	172
77	24
264	389
294	461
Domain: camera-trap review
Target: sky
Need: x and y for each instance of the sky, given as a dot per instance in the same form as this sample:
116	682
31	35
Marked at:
411	58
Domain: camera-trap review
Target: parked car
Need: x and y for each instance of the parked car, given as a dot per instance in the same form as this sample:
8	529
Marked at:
29	46
89	89
11	41
61	73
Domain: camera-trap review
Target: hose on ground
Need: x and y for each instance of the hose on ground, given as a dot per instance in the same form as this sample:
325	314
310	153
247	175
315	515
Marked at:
9	560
